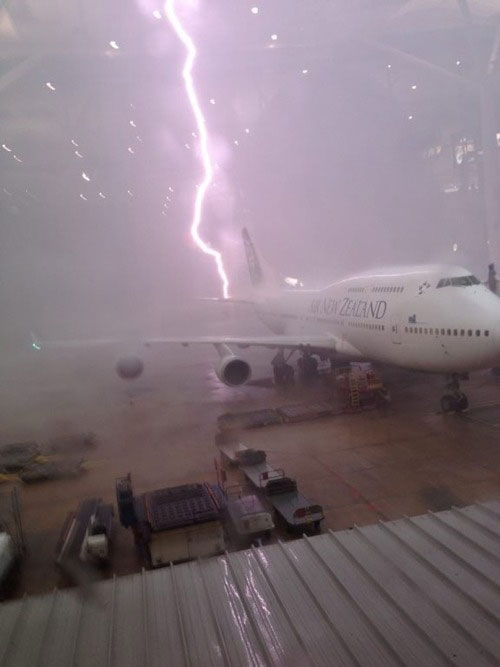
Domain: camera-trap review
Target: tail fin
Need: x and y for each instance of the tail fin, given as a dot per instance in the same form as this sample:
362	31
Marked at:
254	265
261	275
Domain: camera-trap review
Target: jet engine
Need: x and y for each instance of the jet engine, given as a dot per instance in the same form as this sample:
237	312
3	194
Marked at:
232	370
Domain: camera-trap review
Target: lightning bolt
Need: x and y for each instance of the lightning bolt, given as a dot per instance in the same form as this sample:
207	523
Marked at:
208	170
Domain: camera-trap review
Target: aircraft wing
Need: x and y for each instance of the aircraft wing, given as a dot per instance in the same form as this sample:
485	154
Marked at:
325	342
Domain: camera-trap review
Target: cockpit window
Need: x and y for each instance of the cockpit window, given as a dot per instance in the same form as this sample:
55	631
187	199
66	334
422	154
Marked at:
462	281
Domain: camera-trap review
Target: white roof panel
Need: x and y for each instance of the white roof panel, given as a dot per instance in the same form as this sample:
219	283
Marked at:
414	591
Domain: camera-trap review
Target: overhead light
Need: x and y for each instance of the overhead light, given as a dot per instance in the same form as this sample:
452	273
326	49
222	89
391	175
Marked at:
78	154
131	122
236	143
130	193
157	14
414	87
389	66
17	159
130	150
305	71
113	44
6	148
274	37
85	177
83	197
212	101
50	85
247	130
102	196
458	62
410	117
455	247
74	143
255	10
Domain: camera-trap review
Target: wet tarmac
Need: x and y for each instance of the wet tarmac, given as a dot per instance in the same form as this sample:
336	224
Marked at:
361	467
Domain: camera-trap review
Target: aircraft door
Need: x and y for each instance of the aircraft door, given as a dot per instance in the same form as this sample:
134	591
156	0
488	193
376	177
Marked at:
396	329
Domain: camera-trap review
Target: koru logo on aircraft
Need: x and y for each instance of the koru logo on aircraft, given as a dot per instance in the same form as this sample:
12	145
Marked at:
423	287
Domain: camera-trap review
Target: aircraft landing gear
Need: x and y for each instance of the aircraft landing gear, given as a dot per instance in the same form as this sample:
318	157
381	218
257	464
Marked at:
308	367
454	400
283	372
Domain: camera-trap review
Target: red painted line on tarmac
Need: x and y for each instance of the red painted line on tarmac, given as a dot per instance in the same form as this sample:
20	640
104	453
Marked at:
356	493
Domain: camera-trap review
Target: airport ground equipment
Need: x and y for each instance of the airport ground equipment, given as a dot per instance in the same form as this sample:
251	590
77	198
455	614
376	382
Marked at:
248	519
294	509
296	512
305	411
86	535
173	524
232	422
229	453
359	386
12	545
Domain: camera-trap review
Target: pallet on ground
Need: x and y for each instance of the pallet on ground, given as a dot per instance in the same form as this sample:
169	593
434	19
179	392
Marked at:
250	419
305	411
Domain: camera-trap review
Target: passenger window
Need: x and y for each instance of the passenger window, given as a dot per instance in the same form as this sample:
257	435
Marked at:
420	330
425	331
448	332
440	283
431	331
469	333
406	329
462	332
442	332
478	333
486	333
455	332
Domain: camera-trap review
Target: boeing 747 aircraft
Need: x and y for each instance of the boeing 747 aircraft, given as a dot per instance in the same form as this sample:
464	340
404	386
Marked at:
434	318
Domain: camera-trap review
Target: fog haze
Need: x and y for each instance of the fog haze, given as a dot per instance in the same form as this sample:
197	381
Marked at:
321	150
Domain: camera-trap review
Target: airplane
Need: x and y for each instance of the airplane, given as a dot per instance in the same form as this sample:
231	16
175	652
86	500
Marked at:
433	318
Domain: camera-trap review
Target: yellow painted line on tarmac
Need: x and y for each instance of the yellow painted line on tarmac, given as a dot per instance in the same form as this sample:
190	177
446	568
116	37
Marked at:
8	477
93	463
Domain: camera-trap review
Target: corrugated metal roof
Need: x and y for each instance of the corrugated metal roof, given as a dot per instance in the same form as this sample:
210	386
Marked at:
417	591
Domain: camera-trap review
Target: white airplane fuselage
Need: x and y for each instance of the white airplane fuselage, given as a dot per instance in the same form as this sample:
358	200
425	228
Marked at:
430	318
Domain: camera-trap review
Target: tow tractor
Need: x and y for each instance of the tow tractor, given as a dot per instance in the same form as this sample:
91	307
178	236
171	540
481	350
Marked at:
86	536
